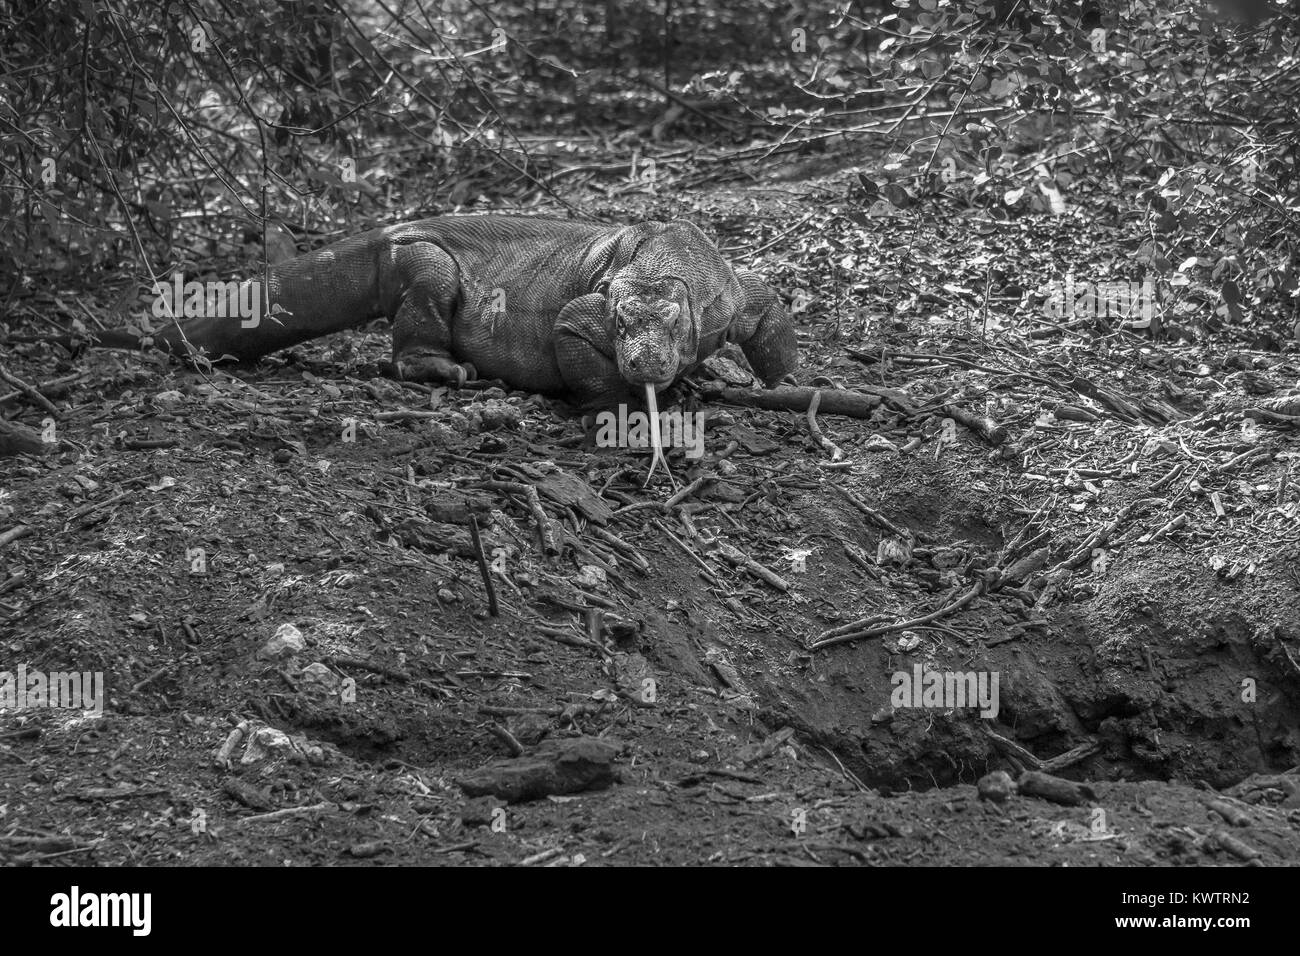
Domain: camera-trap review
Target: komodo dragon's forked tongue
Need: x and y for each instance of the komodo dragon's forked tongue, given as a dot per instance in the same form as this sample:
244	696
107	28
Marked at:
656	439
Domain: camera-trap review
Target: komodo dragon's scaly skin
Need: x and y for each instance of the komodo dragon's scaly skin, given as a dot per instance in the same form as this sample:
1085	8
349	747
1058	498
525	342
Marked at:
547	305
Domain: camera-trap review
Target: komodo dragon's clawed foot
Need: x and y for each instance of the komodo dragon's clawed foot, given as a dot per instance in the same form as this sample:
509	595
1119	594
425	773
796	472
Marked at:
432	367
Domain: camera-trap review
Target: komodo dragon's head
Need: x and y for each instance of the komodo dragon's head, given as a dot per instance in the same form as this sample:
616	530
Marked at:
663	277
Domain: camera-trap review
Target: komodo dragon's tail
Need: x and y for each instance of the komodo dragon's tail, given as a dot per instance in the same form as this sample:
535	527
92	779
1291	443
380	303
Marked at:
334	288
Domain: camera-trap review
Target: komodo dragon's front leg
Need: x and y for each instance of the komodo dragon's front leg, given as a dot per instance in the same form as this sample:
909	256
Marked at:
585	354
762	329
423	302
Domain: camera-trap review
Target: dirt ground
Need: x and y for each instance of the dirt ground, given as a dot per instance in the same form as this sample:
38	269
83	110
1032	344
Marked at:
660	657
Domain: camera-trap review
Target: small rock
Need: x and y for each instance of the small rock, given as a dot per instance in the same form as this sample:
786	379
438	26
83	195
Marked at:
492	415
589	576
441	434
996	786
316	676
565	766
70	490
266	742
285	643
879	443
633	678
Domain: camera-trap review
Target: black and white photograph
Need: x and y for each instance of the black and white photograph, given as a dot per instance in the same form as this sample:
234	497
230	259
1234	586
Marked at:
569	434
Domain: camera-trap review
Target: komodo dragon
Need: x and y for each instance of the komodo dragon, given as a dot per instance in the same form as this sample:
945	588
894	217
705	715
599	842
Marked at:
548	305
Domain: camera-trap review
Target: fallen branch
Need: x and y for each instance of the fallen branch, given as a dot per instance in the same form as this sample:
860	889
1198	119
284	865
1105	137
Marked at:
534	500
993	579
873	514
506	737
986	428
16	439
833	637
1014	749
689	490
30	391
275	815
1083	554
1071	757
734	556
824	443
622	547
708	571
481	558
835	401
852	403
14	533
